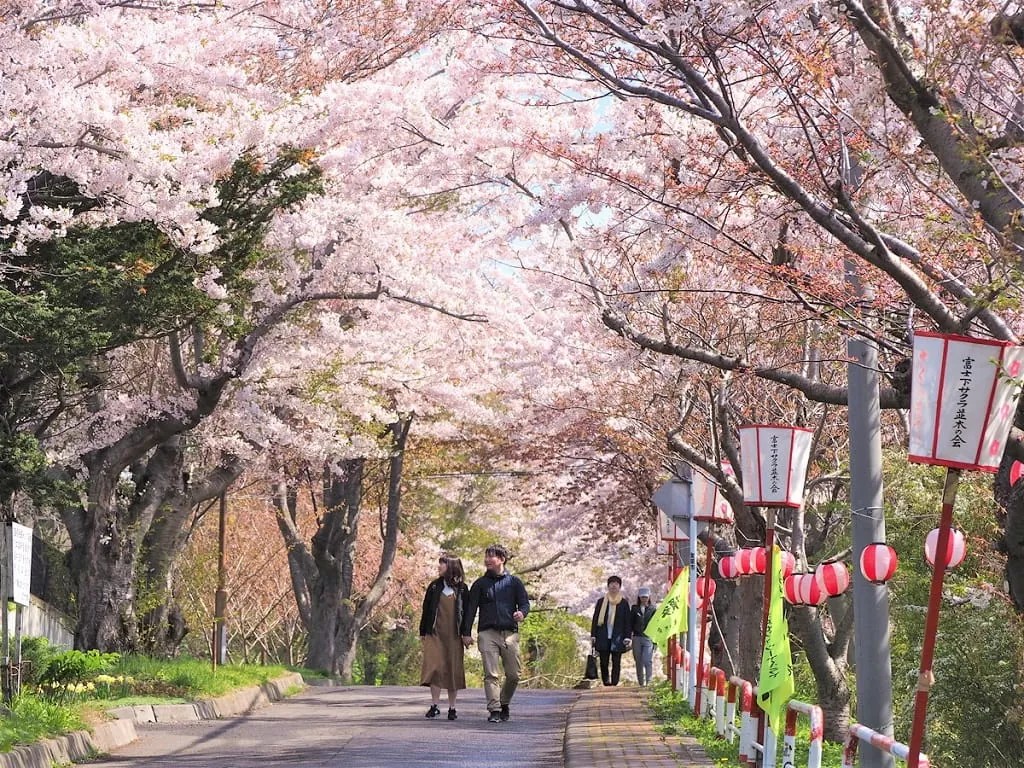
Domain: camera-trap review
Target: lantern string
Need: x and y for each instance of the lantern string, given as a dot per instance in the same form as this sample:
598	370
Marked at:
867	511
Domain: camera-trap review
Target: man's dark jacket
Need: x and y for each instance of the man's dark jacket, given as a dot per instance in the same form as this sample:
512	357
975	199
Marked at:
497	598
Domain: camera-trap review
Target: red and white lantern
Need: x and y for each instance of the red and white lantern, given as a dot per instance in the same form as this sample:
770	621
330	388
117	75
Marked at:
791	588
788	563
744	562
727	568
774	460
956	548
878	562
709	505
963	400
809	591
833	578
706	588
758	560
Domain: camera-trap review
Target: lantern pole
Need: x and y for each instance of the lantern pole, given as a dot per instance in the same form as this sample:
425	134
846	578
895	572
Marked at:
925	678
769	548
691	608
769	552
709	546
672	639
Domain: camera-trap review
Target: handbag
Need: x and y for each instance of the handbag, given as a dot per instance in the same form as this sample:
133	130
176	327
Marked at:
591	671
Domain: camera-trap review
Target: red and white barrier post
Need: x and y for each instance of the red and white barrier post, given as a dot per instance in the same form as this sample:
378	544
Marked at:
741	690
859	733
813	711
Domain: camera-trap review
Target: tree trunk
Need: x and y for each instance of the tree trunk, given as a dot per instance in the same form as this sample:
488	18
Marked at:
828	663
103	558
323	574
1011	499
346	645
162	628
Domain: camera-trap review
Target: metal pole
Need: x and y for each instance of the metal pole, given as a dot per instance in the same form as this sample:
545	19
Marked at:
673	640
871	650
925	678
220	601
703	621
691	613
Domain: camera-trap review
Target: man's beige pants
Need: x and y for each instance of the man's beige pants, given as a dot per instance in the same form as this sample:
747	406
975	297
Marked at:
499	647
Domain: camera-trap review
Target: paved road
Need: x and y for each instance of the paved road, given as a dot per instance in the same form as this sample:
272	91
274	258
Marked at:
359	727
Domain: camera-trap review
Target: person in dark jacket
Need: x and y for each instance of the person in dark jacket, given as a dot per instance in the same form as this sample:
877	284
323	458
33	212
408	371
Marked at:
502	601
610	630
643	647
440	624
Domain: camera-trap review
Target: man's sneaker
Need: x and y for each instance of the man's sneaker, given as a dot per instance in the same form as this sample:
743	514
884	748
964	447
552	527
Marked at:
452	715
504	713
494	717
433	711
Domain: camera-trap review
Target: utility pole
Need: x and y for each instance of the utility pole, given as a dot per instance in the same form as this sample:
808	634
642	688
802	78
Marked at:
871	650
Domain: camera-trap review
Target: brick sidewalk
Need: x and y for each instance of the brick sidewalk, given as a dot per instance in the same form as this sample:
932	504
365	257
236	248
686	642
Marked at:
612	727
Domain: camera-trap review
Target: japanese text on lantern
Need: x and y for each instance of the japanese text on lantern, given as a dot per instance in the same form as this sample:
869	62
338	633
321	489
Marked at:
964	393
773	464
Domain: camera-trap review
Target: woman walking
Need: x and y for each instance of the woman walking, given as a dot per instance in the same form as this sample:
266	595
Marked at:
443	651
611	631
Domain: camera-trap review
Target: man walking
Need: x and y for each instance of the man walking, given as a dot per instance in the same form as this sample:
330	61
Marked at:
503	603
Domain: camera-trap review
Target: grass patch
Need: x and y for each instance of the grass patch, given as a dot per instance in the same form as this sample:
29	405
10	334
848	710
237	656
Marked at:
32	719
55	706
186	678
675	718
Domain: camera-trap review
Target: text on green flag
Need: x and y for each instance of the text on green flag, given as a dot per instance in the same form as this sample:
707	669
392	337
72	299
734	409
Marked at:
775	686
670	618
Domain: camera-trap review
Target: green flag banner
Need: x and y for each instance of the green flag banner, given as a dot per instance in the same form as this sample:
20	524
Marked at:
670	618
775	686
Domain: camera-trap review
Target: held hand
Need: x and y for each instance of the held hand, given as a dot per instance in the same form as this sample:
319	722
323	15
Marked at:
518	616
467	640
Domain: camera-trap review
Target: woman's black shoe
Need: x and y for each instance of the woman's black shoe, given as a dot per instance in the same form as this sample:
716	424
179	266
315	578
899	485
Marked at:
452	715
433	711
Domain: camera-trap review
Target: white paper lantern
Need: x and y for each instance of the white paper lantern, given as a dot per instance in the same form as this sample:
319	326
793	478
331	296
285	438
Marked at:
709	504
774	460
963	399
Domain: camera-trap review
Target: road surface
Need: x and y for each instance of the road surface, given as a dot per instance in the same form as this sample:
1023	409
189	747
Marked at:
362	727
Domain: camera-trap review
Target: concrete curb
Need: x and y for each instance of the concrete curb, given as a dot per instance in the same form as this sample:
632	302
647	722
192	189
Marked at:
82	745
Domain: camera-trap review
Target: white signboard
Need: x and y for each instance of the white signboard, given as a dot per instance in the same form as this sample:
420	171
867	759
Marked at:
670	528
774	460
17	562
963	399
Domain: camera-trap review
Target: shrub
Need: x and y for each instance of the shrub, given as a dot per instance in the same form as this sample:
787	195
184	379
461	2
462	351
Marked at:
70	673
